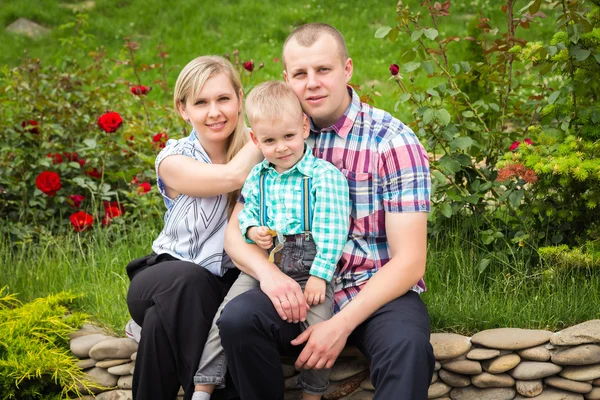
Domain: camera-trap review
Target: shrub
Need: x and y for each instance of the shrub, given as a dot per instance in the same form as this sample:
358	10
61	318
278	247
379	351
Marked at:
35	360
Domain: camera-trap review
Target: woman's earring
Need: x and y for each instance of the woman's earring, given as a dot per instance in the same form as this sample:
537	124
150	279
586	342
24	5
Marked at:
188	121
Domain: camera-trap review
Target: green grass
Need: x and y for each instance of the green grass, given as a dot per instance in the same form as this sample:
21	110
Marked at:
511	292
257	28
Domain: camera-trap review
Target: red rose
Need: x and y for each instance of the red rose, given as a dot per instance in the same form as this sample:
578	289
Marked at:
113	204
94	173
75	200
394	69
48	182
143	187
140	90
109	122
56	158
135	180
514	145
249	65
81	221
528	141
30	126
159	140
74	157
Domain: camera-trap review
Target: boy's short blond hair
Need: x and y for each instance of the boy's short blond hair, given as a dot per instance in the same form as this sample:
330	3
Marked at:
270	100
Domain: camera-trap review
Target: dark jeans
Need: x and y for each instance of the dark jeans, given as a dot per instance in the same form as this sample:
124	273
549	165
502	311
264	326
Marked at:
174	302
395	339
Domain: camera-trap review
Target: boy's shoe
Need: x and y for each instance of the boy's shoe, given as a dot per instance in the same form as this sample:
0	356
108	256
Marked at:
133	330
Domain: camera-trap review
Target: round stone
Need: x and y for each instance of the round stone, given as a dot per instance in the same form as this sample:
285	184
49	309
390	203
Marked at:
437	366
487	380
434	377
511	338
351	351
554	394
86	329
529	370
101	377
346	369
86	363
121	370
116	395
81	346
113	348
482	354
530	388
538	353
594	394
340	389
367	384
438	389
582	373
362	395
567	384
475	393
466	367
587	332
134	356
454	380
447	346
585	354
501	364
112	363
125	382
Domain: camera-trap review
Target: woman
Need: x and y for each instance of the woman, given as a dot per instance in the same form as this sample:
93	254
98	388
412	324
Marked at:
176	291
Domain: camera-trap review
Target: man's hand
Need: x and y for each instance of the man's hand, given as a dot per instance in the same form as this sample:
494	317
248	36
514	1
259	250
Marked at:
314	291
325	342
286	295
261	236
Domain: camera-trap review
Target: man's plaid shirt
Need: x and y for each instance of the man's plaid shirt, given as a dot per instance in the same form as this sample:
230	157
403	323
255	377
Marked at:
283	196
387	171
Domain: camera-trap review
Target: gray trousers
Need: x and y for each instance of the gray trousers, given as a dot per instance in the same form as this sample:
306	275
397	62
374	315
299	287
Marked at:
295	261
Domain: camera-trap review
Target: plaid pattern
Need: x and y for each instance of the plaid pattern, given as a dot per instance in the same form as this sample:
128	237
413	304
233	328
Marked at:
387	171
283	196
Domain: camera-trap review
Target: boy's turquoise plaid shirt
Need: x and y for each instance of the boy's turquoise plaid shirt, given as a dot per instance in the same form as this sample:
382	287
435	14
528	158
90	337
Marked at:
283	196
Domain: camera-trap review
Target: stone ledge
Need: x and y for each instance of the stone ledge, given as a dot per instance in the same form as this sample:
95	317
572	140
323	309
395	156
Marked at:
497	364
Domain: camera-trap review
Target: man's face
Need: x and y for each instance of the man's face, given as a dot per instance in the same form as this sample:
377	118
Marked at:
319	77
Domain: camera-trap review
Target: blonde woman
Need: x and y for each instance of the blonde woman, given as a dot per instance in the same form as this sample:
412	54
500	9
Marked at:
176	291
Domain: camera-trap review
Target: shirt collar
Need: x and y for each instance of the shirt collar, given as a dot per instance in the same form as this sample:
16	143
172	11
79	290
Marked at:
343	125
304	166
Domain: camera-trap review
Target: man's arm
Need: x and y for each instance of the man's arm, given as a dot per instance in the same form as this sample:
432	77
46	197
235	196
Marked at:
284	292
407	238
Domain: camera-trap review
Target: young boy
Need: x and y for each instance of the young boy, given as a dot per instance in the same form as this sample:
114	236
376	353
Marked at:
302	201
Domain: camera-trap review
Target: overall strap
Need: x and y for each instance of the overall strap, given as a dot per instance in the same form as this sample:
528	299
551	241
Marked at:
306	205
262	202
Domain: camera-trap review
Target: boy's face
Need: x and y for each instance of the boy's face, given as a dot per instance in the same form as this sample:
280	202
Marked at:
281	140
318	76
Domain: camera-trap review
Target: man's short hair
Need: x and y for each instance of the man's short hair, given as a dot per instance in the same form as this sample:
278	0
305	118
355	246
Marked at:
307	35
270	100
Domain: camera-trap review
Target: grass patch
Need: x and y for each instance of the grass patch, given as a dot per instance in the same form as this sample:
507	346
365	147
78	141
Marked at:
511	292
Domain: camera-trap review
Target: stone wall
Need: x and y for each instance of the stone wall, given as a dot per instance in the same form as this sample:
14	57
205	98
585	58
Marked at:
497	364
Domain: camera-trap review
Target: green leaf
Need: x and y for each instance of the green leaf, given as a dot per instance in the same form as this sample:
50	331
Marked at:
483	264
535	7
443	117
552	98
468	114
404	98
431	33
411	66
393	35
515	198
494	107
463	143
433	92
91	143
441	178
428	67
428	115
465	66
79	182
487	238
456	68
552	50
574	32
581	54
382	32
597	57
416	35
446	210
464	159
449	164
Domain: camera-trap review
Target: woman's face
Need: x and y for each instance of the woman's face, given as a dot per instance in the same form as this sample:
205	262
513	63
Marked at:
215	111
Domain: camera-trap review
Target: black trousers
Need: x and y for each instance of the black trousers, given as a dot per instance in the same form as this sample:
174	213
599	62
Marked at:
395	339
174	302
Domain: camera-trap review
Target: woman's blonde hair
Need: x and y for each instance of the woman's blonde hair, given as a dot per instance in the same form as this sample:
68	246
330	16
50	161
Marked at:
190	82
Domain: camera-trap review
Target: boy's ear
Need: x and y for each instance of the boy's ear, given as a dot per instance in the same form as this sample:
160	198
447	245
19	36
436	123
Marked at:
305	127
254	138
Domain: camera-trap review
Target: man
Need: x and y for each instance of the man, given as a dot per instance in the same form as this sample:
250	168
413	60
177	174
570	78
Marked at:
380	273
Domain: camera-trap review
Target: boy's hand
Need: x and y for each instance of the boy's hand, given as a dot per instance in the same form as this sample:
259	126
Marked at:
261	236
314	291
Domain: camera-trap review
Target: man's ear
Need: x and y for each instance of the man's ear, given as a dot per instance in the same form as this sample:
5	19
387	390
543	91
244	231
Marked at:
254	139
305	126
348	69
285	76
